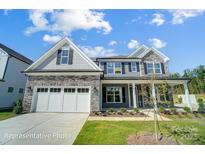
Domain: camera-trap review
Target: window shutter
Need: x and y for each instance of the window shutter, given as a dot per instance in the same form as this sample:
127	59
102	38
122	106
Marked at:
105	68
138	66
145	68
123	68
162	66
58	57
70	56
123	94
130	70
104	95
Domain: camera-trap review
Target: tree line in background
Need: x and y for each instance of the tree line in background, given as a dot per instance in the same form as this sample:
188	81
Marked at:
197	76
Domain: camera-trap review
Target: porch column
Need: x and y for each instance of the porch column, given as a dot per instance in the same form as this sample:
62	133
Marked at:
154	96
186	92
129	95
134	95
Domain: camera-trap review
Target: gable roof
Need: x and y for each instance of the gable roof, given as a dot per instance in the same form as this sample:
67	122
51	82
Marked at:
53	49
138	51
15	54
144	50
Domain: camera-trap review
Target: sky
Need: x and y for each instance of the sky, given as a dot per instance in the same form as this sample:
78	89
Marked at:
179	34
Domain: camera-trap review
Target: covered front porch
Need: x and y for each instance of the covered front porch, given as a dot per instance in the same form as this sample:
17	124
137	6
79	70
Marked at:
128	93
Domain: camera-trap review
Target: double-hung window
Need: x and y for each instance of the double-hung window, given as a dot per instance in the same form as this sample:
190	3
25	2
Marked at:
134	66
114	68
157	68
64	56
154	68
114	94
118	68
110	68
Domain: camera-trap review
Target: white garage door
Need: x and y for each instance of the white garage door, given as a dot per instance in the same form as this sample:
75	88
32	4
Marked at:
63	99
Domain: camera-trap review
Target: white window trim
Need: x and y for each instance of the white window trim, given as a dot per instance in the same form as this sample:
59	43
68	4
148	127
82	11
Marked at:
132	66
120	88
114	68
153	68
63	49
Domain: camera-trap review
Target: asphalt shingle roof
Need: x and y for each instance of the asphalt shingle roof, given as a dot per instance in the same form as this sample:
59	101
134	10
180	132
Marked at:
15	54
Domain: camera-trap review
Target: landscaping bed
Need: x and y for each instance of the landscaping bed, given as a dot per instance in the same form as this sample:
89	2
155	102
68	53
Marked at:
120	113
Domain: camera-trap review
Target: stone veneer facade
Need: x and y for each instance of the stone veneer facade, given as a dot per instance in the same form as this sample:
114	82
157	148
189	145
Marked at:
77	80
151	56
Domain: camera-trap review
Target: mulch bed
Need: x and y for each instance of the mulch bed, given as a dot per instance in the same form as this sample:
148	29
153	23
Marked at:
117	114
146	138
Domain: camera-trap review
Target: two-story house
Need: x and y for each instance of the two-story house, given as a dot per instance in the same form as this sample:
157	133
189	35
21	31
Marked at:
64	79
12	80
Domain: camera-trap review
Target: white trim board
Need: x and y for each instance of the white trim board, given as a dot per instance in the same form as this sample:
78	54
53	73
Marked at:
134	52
61	73
164	57
147	50
54	49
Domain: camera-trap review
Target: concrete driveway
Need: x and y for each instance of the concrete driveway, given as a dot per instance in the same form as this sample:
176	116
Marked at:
42	128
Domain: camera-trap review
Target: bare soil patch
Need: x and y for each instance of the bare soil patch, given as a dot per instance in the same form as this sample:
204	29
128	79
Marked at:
146	138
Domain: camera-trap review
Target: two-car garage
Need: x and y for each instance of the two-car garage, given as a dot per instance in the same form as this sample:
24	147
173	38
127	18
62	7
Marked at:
62	99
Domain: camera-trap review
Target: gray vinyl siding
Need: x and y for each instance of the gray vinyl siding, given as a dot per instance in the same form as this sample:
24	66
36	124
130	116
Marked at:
127	72
150	57
78	63
13	78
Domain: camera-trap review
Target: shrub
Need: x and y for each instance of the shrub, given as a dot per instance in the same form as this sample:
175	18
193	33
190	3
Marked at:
180	99
161	109
187	109
173	110
136	110
123	110
18	108
201	108
111	110
199	100
182	132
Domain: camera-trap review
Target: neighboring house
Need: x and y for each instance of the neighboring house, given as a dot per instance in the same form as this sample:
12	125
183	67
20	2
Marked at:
12	80
64	79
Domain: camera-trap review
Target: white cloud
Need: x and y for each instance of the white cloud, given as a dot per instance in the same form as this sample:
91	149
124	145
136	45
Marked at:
158	19
97	51
157	43
180	16
112	43
39	21
51	39
133	44
67	21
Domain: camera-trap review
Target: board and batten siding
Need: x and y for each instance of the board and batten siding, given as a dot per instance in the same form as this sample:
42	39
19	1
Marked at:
13	78
3	63
78	63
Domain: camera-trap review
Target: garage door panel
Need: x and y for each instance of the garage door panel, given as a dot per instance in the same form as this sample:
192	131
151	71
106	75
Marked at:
63	99
69	102
55	102
83	104
42	102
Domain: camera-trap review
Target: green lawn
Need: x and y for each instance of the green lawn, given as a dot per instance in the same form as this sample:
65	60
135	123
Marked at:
6	114
116	132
